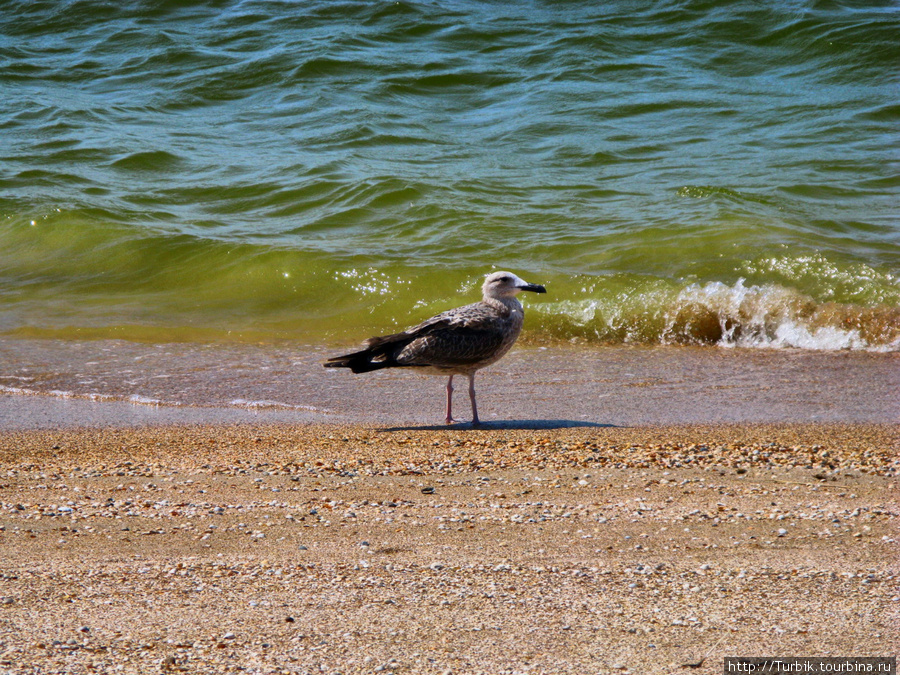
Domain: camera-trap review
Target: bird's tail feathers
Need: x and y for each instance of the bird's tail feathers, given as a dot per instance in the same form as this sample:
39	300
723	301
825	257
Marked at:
358	362
380	352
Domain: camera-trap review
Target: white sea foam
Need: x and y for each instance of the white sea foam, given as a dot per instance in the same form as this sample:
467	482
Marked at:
244	403
60	394
19	391
143	400
65	394
138	399
726	315
100	397
772	316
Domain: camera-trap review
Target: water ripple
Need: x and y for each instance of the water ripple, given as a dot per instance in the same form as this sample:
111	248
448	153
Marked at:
167	165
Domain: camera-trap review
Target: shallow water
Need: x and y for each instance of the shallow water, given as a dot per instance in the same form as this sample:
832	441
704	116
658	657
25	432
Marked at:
50	383
681	173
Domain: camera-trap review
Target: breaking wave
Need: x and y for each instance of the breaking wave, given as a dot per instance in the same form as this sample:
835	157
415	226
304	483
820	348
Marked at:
716	313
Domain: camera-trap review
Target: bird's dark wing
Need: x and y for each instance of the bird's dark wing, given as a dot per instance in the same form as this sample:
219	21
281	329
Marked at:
456	338
459	337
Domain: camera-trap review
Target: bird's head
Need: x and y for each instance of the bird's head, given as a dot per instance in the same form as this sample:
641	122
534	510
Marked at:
507	285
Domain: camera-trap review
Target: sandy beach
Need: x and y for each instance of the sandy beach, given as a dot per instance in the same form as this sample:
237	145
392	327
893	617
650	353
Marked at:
362	549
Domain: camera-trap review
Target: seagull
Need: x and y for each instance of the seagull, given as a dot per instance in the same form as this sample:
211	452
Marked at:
459	341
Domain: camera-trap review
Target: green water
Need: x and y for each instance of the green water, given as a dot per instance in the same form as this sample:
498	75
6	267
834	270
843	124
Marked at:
682	173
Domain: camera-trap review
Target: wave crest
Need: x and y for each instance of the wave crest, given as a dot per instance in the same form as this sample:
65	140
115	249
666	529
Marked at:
716	313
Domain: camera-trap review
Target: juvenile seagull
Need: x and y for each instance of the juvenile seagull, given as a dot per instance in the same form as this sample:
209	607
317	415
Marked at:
456	342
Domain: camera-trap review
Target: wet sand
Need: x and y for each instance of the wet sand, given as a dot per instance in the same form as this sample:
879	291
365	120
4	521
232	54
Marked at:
364	549
63	384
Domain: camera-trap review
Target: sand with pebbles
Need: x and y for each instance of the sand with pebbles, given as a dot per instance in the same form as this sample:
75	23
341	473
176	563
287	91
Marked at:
310	549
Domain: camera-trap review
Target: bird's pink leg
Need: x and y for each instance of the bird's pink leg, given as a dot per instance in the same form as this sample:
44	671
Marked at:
475	419
449	419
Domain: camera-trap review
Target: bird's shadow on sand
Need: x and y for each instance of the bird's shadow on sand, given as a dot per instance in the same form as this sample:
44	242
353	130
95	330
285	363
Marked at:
524	425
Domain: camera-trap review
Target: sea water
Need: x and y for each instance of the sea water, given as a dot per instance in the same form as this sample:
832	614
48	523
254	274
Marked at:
690	172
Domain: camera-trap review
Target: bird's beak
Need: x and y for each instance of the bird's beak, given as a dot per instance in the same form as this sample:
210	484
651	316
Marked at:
533	287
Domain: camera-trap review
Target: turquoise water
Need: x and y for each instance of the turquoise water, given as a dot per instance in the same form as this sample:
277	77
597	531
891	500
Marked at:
320	171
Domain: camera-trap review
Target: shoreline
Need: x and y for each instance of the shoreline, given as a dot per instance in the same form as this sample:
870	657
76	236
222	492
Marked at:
51	384
359	549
